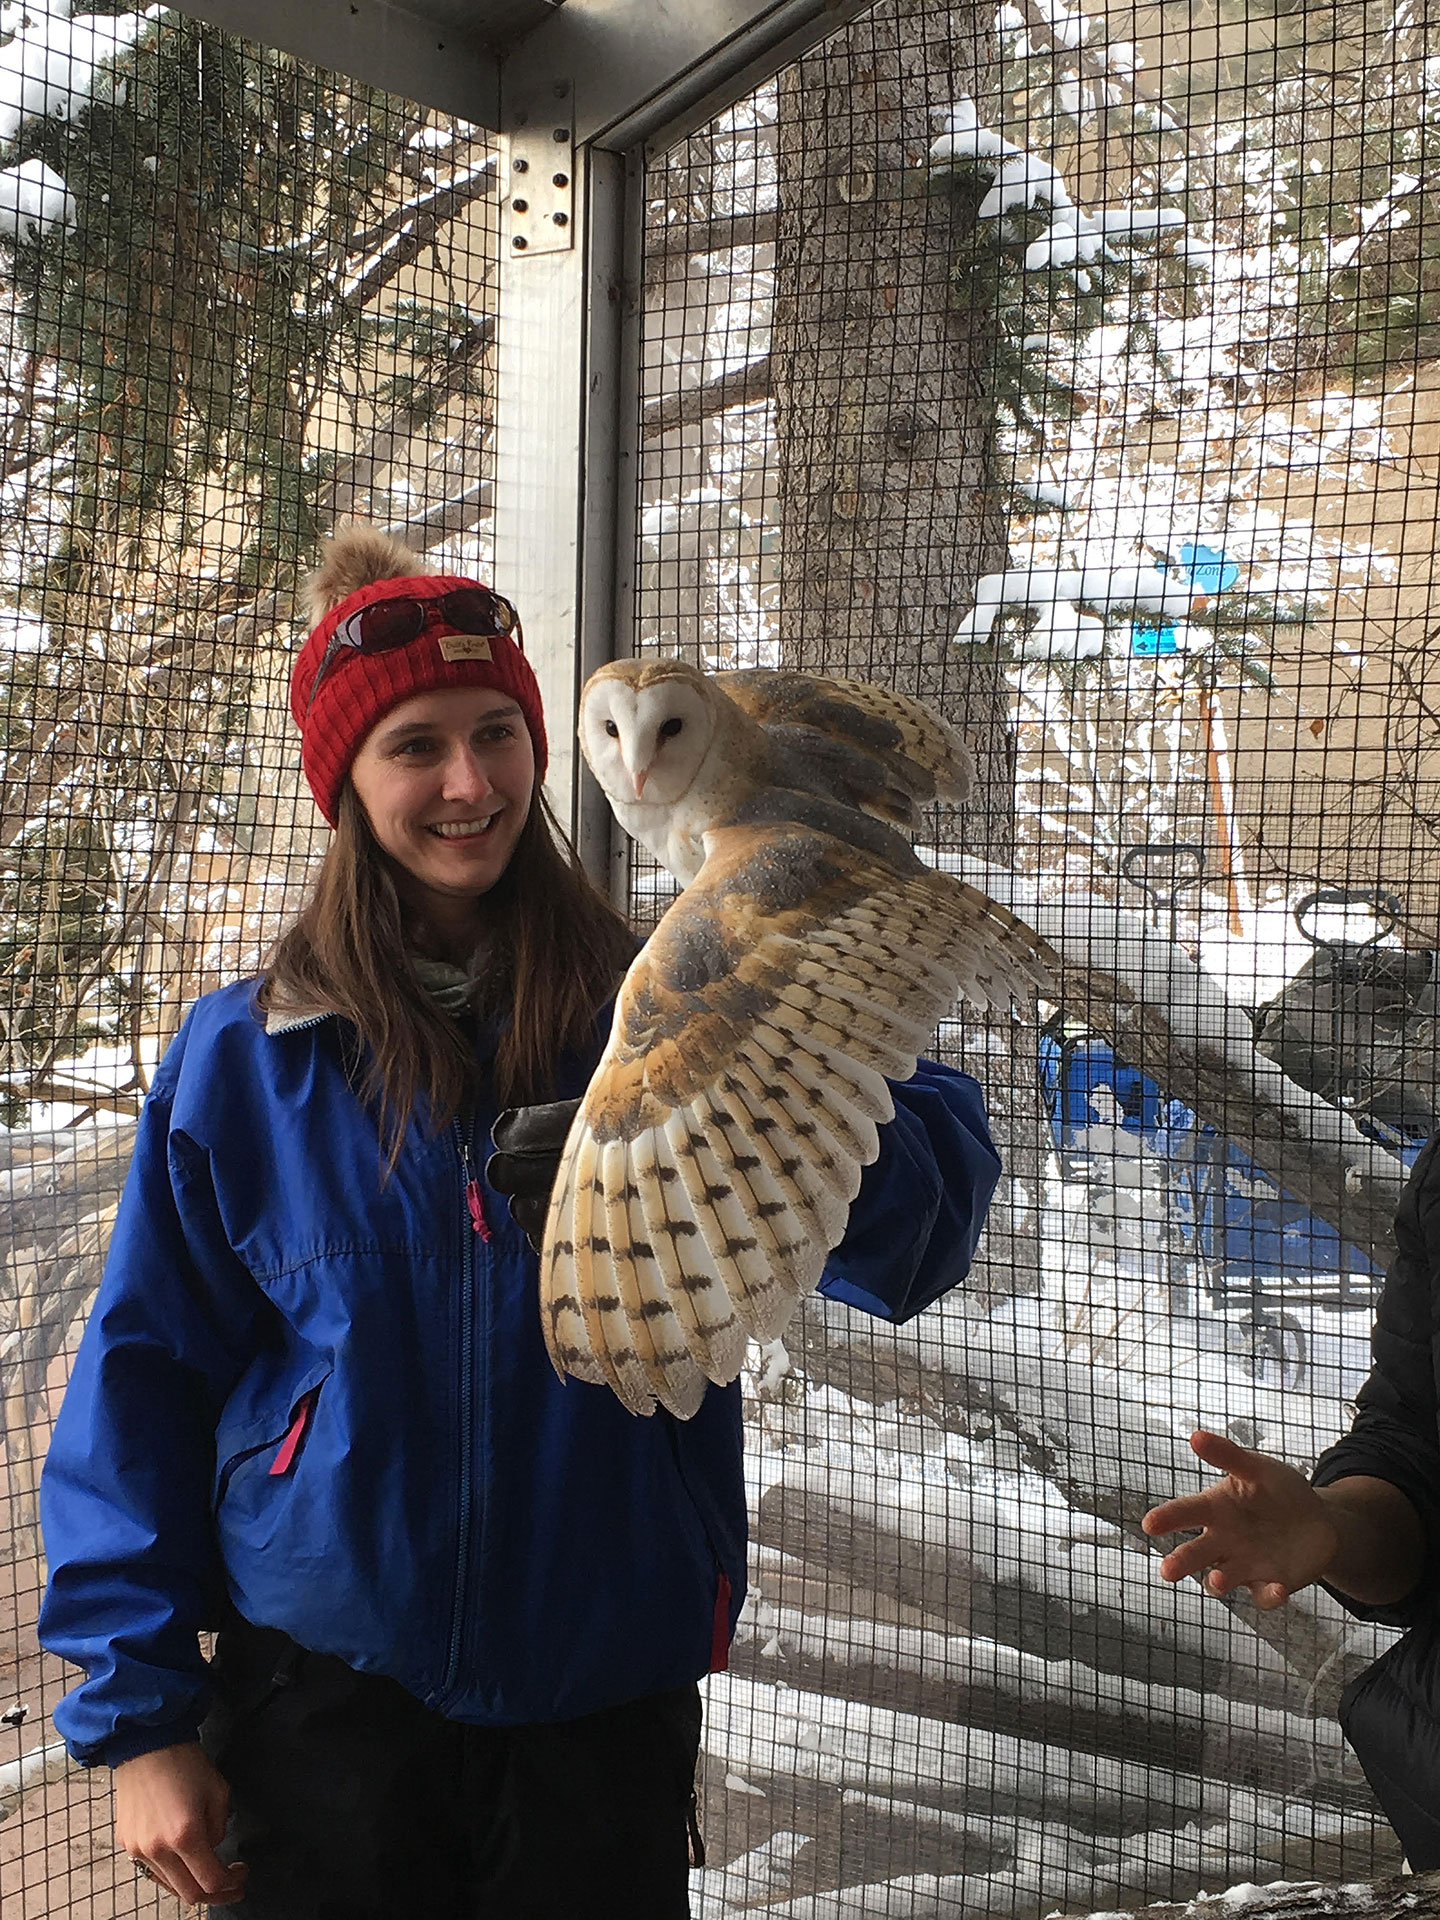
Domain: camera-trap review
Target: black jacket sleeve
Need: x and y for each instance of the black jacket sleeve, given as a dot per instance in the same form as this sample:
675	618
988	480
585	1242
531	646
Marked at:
1394	1436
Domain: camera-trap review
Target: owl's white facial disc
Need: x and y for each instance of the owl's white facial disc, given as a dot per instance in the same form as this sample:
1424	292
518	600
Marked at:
646	745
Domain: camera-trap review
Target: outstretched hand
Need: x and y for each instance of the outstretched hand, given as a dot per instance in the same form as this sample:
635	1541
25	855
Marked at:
1263	1526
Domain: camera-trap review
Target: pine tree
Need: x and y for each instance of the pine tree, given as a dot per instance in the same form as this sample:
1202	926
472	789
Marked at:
199	345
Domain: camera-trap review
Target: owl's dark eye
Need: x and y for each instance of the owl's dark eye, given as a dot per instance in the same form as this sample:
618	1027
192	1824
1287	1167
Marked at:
670	729
612	729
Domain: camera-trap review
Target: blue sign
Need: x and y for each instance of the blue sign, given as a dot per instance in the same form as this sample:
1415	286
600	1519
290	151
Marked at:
1208	568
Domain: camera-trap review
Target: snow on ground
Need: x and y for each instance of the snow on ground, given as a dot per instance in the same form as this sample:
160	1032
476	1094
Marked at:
1254	966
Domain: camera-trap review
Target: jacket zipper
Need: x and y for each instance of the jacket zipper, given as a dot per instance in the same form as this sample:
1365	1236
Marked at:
476	1227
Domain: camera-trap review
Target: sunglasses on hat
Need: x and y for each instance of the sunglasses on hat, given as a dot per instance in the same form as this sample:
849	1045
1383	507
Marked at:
385	625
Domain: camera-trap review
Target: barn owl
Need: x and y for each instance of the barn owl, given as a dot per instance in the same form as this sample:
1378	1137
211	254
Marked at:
711	1165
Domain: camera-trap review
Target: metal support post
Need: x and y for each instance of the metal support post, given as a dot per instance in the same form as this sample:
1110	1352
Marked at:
559	404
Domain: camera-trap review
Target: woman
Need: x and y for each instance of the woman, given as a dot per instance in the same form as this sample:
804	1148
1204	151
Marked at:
463	1605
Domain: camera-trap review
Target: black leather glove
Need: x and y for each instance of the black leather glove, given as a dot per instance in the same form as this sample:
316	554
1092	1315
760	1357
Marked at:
528	1145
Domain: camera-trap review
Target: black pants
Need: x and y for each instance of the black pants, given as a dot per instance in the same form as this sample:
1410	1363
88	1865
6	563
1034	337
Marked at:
352	1801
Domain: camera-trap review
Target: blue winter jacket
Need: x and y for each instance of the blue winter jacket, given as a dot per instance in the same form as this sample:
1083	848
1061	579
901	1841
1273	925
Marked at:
327	1395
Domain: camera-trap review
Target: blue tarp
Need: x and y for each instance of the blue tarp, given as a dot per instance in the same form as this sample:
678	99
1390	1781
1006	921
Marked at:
1253	1237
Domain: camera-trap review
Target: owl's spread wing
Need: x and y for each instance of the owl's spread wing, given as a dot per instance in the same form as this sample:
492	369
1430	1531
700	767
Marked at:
920	755
712	1164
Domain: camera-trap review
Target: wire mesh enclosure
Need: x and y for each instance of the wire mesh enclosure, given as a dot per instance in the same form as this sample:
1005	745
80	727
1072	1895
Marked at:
238	298
1073	369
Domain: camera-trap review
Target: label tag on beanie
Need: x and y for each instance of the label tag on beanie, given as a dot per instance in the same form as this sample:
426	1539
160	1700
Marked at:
464	646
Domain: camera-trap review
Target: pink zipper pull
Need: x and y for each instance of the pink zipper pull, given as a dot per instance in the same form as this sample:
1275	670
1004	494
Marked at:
473	1198
299	1427
720	1628
477	1208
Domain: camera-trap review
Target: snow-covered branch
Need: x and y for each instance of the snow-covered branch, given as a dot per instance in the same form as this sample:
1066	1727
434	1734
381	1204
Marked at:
1109	1454
1058	594
963	1677
423	222
441	520
48	69
34	1769
1023	181
1040	1580
847	1745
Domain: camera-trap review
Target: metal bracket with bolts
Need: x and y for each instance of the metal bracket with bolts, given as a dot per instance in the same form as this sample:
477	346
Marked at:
539	206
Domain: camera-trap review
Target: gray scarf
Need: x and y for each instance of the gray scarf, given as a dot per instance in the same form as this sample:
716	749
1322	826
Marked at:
453	989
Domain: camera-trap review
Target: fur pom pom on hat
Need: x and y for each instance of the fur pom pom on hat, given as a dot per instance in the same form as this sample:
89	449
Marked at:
356	557
350	673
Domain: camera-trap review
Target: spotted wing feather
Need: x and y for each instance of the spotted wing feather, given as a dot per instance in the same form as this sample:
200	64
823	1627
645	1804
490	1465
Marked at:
922	756
714	1158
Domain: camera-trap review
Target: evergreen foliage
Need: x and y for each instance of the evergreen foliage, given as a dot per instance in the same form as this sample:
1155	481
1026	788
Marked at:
227	293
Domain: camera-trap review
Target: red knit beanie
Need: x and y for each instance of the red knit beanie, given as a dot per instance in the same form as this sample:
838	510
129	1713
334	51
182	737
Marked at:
358	689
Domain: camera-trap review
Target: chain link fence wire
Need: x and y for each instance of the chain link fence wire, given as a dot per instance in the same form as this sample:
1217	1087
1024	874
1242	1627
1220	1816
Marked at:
1075	370
239	297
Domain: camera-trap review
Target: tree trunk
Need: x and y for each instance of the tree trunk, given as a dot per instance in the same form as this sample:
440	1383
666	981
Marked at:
978	1682
960	1557
889	509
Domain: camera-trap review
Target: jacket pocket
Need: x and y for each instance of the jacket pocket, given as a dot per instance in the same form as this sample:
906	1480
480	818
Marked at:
284	1443
288	1451
721	1588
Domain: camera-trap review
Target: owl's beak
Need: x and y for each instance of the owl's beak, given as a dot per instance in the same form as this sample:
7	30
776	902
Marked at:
640	778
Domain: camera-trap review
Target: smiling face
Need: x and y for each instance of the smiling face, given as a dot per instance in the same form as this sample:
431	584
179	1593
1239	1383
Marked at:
446	780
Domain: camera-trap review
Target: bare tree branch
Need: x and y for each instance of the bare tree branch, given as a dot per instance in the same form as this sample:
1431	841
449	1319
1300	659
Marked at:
21	1087
688	238
426	528
428	218
440	204
741	387
358	472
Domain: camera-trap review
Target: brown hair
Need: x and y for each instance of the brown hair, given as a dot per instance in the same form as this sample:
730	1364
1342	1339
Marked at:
556	950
